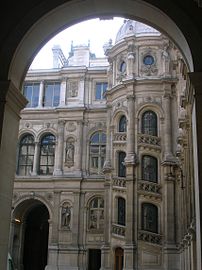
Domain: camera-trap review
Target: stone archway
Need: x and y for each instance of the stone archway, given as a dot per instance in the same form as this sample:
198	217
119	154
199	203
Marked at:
29	235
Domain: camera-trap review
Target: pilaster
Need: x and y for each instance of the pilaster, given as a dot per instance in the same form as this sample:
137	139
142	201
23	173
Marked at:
11	102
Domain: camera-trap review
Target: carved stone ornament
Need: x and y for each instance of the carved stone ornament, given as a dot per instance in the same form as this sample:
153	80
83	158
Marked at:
71	126
69	152
73	88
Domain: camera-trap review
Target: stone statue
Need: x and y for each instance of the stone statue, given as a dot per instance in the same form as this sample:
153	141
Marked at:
69	152
65	216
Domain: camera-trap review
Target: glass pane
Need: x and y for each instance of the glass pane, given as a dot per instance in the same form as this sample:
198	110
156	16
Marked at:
95	138
149	168
150	217
121	211
48	95
149	123
121	165
122	124
56	98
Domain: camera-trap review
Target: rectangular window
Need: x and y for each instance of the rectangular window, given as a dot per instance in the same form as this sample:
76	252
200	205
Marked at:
31	92
51	96
101	88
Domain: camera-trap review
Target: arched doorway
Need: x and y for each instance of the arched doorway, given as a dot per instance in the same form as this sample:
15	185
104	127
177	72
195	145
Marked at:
29	235
119	259
36	239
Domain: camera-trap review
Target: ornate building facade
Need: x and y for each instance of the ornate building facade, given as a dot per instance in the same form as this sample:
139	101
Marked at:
104	176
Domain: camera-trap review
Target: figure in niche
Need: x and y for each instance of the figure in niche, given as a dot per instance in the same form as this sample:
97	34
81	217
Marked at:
69	153
166	59
73	89
66	216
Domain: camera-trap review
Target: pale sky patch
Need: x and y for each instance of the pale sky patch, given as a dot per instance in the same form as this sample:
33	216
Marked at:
95	31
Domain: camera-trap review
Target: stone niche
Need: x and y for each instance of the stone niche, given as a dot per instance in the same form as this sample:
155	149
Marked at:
150	257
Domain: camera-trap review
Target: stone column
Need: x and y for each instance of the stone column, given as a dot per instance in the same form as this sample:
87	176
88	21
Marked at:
107	164
41	94
168	156
79	148
131	224
196	94
58	168
106	259
53	249
36	158
63	88
130	157
170	248
11	103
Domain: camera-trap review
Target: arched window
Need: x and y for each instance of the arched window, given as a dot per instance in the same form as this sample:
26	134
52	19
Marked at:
97	152
123	66
122	124
26	155
121	164
121	211
96	214
149	217
149	123
149	168
47	155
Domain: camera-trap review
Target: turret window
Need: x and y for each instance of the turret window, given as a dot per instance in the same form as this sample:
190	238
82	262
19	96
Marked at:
149	217
121	164
122	124
149	168
149	123
121	211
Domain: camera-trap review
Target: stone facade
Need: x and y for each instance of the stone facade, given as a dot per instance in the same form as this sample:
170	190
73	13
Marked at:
108	158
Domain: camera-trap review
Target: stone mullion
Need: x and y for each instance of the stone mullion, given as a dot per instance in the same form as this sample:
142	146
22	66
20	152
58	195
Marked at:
79	152
36	159
63	88
58	168
41	94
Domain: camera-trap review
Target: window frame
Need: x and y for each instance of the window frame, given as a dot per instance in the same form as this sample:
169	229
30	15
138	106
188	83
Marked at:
121	173
51	102
27	156
100	147
124	128
31	103
149	178
47	156
104	86
121	213
149	128
98	210
144	227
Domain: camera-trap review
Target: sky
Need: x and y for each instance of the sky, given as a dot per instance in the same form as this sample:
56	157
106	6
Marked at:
97	31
